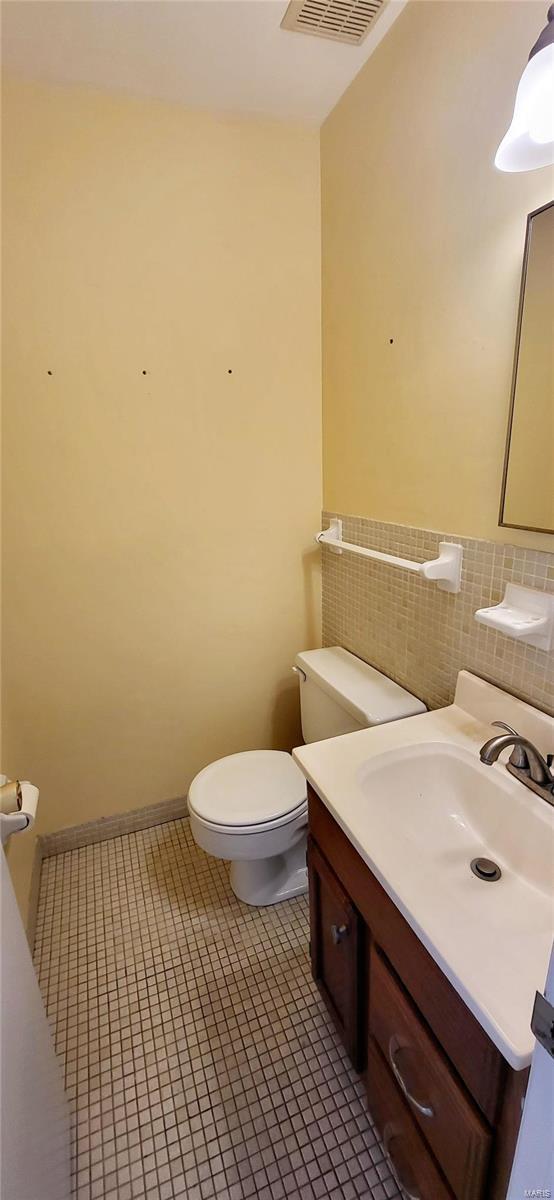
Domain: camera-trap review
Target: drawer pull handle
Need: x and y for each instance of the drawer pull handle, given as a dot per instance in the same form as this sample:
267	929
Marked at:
425	1110
338	933
389	1135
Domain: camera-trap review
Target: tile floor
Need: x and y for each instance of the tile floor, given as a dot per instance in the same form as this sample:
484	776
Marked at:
199	1059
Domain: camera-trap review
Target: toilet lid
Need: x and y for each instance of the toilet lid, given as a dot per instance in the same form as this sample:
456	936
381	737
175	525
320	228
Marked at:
248	789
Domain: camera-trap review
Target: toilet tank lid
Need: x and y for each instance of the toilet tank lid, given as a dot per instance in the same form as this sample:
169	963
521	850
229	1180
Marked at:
372	698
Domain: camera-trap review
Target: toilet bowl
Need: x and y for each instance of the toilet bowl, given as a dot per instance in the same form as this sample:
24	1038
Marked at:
251	808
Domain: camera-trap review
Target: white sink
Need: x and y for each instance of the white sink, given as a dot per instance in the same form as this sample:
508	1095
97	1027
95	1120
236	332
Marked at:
417	803
450	808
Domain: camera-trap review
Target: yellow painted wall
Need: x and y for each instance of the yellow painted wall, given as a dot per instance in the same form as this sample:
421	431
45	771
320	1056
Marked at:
423	244
159	573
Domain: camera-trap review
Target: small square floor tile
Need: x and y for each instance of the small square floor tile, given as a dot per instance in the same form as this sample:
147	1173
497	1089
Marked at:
198	1056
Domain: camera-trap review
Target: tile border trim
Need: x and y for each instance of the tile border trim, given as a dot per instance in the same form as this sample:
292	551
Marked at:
105	828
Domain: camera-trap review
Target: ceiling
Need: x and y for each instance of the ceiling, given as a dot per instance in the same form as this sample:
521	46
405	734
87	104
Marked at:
223	55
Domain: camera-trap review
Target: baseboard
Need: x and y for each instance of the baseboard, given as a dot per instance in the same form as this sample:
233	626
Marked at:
105	828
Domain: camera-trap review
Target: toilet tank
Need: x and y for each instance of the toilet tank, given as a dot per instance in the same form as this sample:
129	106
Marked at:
340	693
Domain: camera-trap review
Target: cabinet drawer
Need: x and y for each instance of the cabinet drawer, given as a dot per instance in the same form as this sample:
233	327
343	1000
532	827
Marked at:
437	1100
414	1167
336	936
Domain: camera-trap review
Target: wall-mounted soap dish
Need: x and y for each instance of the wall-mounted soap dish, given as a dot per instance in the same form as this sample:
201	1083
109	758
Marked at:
524	614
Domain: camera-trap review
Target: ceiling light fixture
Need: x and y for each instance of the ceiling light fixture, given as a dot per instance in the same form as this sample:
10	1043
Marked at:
529	142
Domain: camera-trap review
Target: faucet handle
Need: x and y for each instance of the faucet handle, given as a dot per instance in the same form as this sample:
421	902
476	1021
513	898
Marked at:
518	757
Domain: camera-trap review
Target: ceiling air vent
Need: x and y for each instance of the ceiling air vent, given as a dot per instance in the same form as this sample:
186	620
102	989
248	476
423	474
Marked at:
341	20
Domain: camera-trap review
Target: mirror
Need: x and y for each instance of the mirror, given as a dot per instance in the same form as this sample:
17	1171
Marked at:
527	500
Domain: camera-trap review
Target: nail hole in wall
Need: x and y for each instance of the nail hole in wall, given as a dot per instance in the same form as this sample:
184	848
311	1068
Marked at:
145	372
391	340
48	372
230	372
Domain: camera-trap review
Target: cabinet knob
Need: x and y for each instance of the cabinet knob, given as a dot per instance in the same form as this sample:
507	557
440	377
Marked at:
338	933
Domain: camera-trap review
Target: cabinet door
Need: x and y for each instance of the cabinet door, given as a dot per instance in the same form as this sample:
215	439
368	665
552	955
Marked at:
336	947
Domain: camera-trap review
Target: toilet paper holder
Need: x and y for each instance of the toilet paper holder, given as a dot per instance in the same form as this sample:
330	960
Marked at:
18	806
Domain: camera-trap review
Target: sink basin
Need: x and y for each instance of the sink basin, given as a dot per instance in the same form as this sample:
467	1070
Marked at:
452	808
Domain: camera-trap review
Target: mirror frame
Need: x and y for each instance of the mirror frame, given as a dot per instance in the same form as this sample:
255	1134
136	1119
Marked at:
509	524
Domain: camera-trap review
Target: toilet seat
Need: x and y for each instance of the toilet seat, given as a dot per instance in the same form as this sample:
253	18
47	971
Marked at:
255	790
245	830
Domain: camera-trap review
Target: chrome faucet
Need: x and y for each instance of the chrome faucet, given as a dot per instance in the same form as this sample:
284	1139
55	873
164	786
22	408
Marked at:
526	763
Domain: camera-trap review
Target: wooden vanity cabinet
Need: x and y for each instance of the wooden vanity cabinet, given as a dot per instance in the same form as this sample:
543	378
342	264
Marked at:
446	1103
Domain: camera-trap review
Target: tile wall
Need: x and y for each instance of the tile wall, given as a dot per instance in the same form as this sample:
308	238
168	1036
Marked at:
420	636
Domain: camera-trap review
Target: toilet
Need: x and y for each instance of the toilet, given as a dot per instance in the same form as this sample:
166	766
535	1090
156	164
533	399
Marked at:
252	808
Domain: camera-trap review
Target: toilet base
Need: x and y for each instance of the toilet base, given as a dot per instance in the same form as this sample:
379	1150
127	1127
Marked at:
265	881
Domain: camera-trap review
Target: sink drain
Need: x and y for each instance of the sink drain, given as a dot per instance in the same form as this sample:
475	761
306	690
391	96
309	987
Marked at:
485	868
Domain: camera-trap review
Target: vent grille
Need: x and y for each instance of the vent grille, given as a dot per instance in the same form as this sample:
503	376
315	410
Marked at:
341	20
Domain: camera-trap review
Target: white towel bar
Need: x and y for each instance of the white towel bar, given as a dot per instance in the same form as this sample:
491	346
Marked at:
445	571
